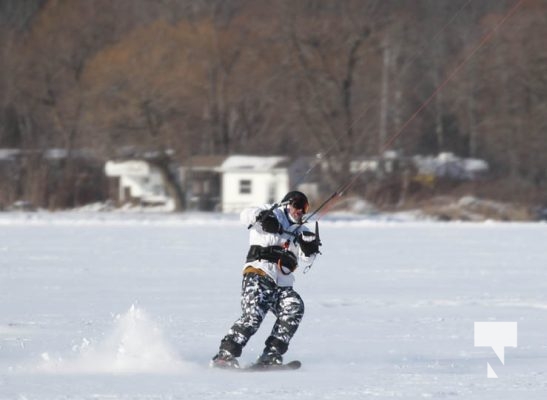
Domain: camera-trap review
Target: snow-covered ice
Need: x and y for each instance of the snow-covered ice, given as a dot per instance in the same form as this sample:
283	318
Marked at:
133	306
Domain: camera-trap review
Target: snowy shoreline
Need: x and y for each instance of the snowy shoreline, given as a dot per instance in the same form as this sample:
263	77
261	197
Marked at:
210	218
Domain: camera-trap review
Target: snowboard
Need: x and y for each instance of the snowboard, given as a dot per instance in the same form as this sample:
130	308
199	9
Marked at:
291	365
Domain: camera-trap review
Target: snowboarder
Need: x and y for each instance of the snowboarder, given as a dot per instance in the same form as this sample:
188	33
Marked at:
279	243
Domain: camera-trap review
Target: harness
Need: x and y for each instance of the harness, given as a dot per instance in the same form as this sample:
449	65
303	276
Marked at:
285	259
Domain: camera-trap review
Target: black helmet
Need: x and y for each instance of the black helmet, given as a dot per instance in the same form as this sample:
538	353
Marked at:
297	199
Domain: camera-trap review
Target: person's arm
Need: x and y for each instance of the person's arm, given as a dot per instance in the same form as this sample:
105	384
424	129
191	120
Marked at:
262	218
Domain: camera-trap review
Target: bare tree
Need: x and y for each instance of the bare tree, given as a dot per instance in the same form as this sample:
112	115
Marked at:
183	77
15	22
334	80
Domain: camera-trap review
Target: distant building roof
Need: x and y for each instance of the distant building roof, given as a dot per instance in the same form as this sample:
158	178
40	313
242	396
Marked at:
253	163
450	166
6	154
50	154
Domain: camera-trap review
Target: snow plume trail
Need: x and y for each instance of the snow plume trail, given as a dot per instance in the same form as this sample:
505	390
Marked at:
136	345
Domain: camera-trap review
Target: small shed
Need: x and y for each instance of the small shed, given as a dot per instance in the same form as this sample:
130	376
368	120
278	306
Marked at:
138	182
253	180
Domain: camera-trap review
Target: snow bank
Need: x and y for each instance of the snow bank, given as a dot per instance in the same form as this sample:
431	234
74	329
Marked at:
114	218
68	218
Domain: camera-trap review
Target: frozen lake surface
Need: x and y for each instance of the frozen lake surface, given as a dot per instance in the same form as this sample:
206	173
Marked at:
113	306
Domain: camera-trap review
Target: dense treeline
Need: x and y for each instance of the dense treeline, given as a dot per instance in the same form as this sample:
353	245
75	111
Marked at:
338	77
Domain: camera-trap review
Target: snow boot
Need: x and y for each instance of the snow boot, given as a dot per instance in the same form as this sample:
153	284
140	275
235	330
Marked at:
269	357
273	352
224	359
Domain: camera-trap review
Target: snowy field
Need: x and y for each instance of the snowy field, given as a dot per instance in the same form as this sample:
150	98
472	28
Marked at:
113	306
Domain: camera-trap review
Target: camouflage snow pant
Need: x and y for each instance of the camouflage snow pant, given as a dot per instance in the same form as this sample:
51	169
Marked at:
259	294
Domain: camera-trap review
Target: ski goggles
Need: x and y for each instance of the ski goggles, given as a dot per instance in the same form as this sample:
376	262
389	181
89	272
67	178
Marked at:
300	203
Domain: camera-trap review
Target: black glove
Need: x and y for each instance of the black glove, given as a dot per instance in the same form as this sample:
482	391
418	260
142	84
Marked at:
269	222
287	260
308	242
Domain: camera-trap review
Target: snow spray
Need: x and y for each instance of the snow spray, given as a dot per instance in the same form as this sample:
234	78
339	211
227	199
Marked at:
135	345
